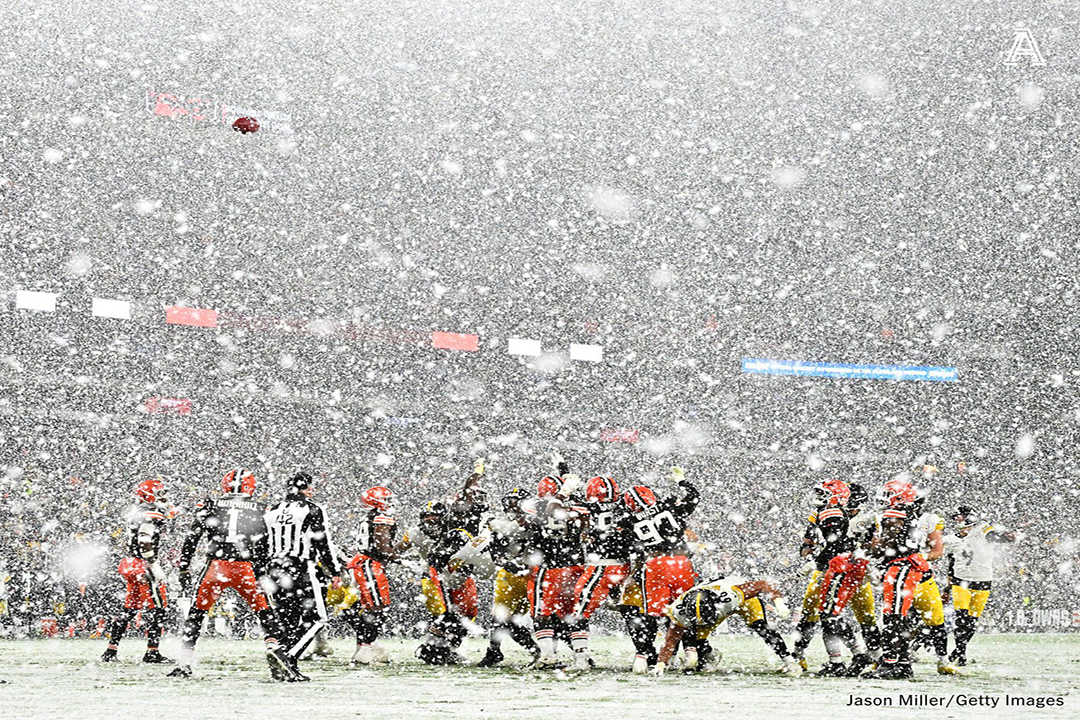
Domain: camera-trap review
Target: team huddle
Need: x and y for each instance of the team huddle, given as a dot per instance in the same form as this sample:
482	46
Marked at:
556	557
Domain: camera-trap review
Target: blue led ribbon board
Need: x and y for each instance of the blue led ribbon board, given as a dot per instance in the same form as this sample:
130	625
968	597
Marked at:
808	368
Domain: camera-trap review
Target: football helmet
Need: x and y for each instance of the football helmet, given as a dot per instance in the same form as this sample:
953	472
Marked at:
377	497
638	498
698	607
897	493
830	493
150	491
859	496
602	489
965	516
549	486
511	501
238	482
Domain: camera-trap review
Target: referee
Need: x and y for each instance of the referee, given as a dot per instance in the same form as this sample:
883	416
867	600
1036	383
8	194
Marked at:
300	539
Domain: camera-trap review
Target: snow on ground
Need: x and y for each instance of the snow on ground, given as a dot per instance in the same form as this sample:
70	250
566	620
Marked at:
61	678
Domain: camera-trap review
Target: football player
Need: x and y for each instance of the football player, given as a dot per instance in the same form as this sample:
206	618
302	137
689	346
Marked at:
377	547
608	543
510	601
896	545
928	537
971	572
695	613
556	560
659	527
141	569
300	538
845	564
236	555
449	587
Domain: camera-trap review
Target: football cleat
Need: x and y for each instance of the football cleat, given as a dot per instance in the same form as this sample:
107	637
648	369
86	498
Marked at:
180	671
641	665
858	664
109	656
791	668
280	668
492	657
582	661
153	656
550	662
833	669
803	664
891	671
944	668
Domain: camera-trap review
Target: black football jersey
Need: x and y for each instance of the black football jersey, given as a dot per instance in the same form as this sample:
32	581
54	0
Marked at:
607	538
365	536
145	525
661	529
234	529
556	533
833	525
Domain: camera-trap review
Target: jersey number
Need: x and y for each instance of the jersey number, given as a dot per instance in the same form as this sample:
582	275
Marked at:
234	519
364	535
649	530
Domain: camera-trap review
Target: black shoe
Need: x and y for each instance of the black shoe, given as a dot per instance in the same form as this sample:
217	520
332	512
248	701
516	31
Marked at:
280	669
294	670
833	669
180	671
493	657
109	656
957	659
153	656
891	671
858	664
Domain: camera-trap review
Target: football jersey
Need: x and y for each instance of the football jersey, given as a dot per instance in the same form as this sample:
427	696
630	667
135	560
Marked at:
661	528
145	525
899	537
365	535
555	534
920	533
972	555
234	529
728	598
607	540
833	525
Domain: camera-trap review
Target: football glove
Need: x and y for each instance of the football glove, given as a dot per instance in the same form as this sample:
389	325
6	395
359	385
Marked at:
658	669
571	484
479	467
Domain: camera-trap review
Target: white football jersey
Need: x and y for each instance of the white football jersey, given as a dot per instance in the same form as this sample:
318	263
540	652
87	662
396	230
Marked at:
973	554
729	599
920	534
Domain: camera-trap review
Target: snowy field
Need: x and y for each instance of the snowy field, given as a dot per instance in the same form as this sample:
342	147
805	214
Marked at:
61	678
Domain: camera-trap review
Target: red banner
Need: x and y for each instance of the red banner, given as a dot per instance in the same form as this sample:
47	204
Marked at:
176	315
168	406
455	341
626	435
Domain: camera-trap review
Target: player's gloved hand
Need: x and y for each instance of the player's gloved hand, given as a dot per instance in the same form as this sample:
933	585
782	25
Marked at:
658	669
571	484
808	567
678	475
479	466
561	466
